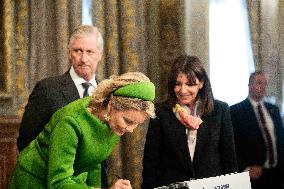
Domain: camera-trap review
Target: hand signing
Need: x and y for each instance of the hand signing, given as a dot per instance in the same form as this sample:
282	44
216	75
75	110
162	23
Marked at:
255	172
121	184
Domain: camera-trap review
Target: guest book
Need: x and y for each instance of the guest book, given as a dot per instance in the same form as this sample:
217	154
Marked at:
228	181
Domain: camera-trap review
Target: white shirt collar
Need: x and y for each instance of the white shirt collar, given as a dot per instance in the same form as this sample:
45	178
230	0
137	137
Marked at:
255	103
79	80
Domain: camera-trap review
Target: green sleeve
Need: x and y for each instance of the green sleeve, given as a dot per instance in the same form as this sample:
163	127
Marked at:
92	179
63	144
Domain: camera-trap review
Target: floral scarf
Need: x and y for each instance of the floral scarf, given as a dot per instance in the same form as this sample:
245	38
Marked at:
186	117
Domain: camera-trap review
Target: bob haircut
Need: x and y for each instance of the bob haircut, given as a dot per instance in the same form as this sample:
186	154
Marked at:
192	67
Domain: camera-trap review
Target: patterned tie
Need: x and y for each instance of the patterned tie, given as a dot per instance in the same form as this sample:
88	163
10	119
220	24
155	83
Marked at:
269	145
86	86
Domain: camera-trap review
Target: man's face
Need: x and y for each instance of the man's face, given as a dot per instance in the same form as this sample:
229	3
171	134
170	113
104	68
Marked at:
85	55
258	87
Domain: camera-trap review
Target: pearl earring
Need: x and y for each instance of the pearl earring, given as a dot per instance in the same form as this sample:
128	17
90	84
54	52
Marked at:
107	117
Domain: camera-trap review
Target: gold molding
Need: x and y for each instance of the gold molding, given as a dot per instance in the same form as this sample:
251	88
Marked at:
8	25
5	95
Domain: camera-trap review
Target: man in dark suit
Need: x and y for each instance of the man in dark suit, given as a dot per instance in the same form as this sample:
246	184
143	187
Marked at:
85	50
259	136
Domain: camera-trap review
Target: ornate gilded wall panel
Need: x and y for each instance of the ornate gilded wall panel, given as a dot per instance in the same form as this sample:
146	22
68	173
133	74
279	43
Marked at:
1	48
13	53
7	30
8	149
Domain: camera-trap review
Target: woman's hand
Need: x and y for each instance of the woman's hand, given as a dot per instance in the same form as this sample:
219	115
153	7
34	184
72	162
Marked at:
255	172
121	184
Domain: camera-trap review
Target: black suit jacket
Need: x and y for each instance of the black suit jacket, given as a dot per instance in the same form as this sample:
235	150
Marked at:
167	158
48	95
250	144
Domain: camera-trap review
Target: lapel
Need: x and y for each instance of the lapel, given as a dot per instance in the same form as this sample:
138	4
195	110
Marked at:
249	123
270	109
178	138
182	145
248	106
177	132
68	88
274	116
248	110
179	135
202	136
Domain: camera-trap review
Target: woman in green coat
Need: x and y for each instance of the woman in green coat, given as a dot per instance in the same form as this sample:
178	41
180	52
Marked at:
69	151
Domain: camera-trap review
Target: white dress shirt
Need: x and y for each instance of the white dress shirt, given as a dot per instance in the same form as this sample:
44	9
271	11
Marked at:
79	80
192	134
270	127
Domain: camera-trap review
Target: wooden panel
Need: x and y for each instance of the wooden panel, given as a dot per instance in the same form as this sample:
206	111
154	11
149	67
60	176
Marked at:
9	126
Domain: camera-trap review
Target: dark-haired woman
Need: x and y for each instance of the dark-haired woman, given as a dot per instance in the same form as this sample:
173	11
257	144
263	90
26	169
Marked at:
192	135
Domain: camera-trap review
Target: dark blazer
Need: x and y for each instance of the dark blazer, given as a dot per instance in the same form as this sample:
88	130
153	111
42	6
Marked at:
167	158
48	95
250	144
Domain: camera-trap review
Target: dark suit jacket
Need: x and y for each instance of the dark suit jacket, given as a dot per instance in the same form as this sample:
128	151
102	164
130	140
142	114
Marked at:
250	145
166	156
48	95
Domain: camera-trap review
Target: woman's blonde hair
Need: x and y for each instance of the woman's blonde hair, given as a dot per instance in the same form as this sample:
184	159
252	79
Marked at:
104	94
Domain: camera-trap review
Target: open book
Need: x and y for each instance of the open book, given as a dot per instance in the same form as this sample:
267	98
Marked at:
228	181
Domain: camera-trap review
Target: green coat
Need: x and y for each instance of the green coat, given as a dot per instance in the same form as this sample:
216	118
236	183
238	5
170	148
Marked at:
67	153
